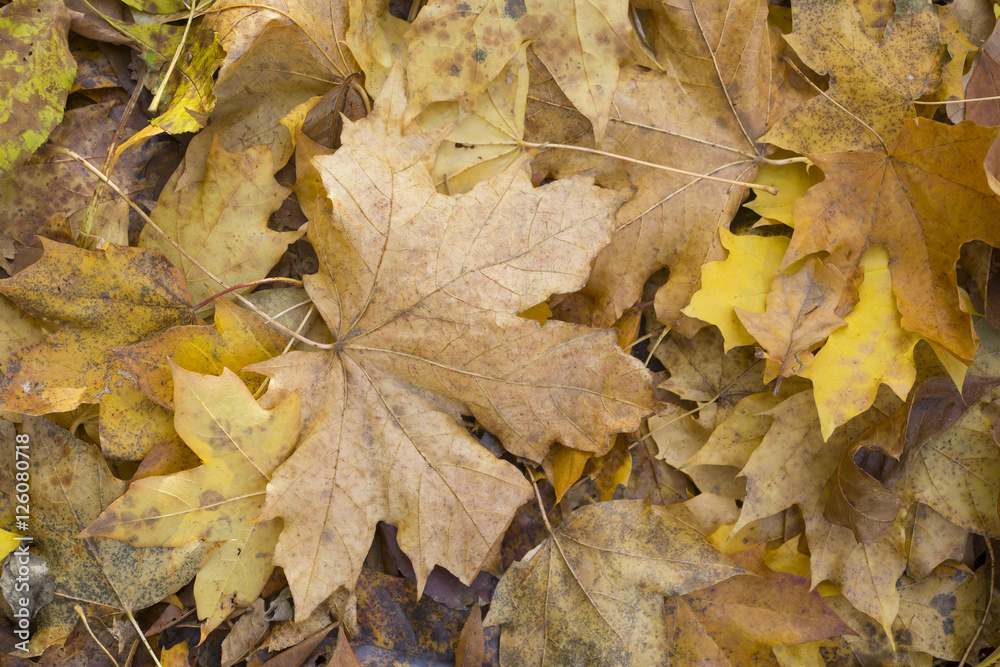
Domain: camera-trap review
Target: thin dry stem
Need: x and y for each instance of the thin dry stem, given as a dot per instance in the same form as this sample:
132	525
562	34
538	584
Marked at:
252	283
149	221
836	103
989	602
79	612
718	179
173	62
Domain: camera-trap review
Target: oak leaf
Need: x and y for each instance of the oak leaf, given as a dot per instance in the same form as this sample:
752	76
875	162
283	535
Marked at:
922	200
421	293
593	592
240	445
802	310
38	69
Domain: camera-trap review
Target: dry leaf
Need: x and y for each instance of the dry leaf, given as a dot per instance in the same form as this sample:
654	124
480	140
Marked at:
421	292
801	311
240	445
593	592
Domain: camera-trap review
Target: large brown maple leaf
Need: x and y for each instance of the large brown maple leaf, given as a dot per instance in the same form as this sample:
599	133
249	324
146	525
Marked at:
421	292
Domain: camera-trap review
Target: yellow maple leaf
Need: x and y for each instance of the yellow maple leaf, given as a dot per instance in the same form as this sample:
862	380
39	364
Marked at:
872	349
741	280
240	444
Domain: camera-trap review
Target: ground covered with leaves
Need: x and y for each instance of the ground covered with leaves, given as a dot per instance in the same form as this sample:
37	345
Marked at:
378	332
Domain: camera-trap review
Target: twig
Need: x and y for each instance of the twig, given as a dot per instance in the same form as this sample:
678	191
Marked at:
756	186
663	334
79	612
646	337
262	281
541	508
149	221
173	63
989	602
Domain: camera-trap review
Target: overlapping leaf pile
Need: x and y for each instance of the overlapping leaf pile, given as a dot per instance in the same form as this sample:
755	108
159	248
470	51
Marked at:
665	331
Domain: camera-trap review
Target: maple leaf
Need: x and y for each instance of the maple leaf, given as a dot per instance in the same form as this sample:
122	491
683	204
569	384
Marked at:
983	83
704	113
33	207
457	49
940	613
117	296
880	349
592	593
701	371
237	339
739	620
420	291
873	82
375	38
922	201
39	70
801	311
70	486
792	182
240	445
222	220
742	280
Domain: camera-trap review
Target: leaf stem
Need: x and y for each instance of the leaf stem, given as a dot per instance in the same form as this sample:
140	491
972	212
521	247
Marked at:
788	160
262	281
835	102
989	601
79	612
756	186
149	221
541	505
173	62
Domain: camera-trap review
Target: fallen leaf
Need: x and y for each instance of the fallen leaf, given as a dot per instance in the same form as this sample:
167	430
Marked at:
802	310
35	207
222	221
455	51
858	500
982	82
931	540
39	69
397	628
375	38
655	479
117	296
421	296
678	438
739	620
469	651
486	140
873	82
872	349
70	486
704	116
240	445
958	472
742	280
237	339
847	213
793	463
593	592
792	181
867	573
940	613
701	371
